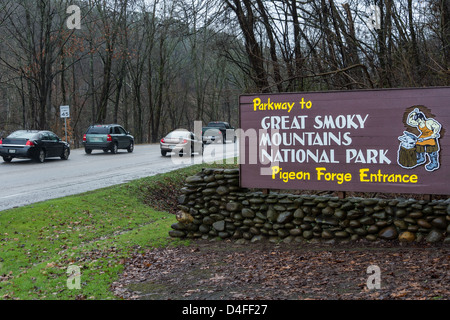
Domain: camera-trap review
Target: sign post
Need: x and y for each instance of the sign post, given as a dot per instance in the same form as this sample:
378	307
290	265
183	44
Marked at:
65	113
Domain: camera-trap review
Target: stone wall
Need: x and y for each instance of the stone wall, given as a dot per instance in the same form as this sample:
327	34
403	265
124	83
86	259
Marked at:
213	205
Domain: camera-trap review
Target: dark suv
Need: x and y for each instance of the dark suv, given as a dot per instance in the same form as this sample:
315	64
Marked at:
107	137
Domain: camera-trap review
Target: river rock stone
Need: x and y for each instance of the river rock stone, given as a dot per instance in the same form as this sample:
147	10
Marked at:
379	215
257	238
372	229
231	171
233	206
204	228
424	223
371	237
272	215
360	231
224	235
327	234
388	233
401	213
278	207
256	201
434	236
370	202
222	190
177	233
416	215
285	217
307	234
298	214
327	220
407	236
400	224
366	221
219	225
178	226
439	223
283	233
184	217
208	220
340	214
353	214
328	211
341	234
194	179
248	213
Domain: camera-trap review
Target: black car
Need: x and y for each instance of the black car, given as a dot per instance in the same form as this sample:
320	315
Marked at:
33	144
107	137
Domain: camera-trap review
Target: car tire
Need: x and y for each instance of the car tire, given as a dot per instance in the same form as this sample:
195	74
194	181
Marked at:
115	148
40	156
163	153
88	151
7	159
65	154
131	147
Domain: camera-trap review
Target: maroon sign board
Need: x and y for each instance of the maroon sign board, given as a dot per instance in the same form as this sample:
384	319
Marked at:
390	140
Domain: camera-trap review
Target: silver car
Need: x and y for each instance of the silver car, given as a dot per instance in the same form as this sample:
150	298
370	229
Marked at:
181	142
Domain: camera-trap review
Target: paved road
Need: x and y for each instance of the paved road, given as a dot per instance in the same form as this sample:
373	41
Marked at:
24	182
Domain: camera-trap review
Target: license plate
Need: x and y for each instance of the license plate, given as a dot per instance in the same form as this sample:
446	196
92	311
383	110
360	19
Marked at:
12	151
171	147
96	139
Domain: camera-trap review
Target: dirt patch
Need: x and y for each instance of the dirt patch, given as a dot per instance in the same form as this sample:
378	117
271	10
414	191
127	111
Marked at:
210	270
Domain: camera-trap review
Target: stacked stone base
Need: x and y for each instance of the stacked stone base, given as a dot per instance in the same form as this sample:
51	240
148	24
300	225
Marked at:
213	205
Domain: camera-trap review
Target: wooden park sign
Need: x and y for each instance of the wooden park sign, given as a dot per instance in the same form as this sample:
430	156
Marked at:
390	140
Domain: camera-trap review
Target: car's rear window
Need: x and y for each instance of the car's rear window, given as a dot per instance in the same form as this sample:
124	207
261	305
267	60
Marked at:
98	130
178	134
23	135
216	125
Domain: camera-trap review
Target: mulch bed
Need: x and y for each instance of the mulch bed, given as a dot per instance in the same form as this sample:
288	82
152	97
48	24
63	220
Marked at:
226	270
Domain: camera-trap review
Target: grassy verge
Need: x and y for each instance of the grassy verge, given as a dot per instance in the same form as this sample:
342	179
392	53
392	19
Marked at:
92	233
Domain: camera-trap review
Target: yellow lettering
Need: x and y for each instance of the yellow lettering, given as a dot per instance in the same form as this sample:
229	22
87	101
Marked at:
278	172
364	176
275	170
256	103
332	176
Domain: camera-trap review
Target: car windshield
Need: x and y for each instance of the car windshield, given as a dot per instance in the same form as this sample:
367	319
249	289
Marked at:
23	135
99	130
177	134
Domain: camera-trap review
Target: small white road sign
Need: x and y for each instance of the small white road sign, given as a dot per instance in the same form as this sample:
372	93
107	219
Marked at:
65	111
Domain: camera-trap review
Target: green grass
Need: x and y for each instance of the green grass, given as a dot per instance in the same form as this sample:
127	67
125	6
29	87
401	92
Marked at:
95	231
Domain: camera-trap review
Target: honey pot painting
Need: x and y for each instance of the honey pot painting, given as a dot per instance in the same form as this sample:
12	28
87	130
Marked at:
421	148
